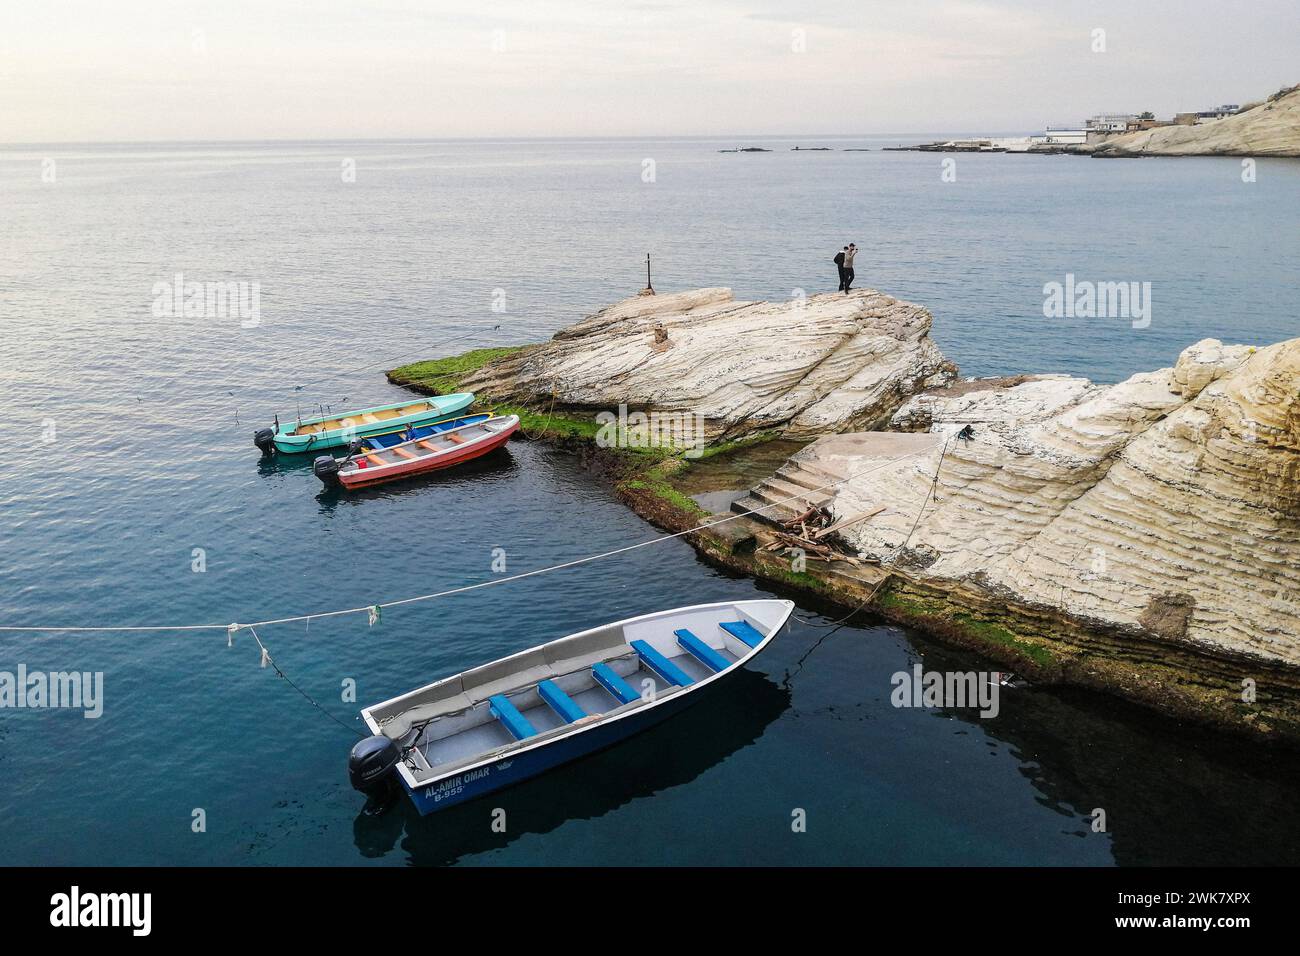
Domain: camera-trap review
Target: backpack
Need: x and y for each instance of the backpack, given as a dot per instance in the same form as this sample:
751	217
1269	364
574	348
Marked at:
839	259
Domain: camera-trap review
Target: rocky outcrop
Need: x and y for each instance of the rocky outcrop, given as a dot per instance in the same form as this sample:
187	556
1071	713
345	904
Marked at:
1271	128
1166	507
827	363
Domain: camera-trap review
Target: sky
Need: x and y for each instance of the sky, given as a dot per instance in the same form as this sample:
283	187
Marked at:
169	70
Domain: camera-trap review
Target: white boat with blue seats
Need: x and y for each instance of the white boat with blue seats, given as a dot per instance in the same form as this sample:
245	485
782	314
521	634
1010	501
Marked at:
503	722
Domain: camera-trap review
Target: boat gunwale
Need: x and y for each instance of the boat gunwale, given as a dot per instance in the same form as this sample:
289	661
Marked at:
572	730
290	429
353	459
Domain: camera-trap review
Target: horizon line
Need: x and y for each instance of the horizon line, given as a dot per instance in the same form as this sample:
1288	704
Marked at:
493	138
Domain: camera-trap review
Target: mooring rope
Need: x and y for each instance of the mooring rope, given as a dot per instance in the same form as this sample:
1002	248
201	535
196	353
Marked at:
268	659
373	609
934	484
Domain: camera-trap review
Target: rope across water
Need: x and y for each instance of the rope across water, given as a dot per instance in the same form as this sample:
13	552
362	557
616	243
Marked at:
491	582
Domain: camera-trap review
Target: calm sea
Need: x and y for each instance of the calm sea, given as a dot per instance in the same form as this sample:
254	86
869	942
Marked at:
137	468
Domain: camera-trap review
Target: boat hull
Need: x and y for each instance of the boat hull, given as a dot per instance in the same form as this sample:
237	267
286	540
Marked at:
439	411
371	476
516	768
622	677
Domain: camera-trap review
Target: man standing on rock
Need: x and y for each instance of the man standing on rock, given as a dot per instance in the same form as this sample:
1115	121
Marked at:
839	264
846	272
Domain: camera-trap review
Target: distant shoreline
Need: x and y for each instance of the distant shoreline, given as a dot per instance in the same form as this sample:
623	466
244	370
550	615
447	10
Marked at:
1268	128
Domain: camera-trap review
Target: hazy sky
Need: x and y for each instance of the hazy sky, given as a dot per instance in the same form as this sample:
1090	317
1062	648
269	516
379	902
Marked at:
80	70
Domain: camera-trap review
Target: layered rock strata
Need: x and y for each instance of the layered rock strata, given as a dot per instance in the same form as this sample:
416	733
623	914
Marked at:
1166	506
703	361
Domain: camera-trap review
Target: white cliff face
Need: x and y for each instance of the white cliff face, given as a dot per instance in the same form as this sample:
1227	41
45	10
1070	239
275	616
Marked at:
1169	502
803	367
1271	128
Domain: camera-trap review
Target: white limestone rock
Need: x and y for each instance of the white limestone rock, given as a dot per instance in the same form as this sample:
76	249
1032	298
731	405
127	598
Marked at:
1169	502
1206	361
988	400
1271	128
828	363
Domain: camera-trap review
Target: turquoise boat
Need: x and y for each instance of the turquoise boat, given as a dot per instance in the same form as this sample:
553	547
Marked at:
337	431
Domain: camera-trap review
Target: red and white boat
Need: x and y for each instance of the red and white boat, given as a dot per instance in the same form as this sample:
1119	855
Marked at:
416	451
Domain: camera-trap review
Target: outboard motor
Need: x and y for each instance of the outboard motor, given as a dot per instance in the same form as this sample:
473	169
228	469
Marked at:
372	770
326	468
264	438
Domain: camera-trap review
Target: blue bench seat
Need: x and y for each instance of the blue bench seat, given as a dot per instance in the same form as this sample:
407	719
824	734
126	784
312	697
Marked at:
510	717
661	665
560	702
743	631
701	651
608	678
379	442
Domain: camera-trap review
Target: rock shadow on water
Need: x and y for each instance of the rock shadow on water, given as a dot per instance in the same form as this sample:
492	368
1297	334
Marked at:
728	718
1172	795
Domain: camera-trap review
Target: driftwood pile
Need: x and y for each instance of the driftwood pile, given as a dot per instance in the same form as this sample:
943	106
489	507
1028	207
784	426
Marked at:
810	533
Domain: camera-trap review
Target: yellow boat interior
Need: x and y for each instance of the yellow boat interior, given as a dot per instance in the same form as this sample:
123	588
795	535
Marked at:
370	417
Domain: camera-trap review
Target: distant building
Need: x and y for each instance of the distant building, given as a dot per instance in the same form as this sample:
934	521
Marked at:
1065	135
1206	116
1110	122
1146	123
1218	113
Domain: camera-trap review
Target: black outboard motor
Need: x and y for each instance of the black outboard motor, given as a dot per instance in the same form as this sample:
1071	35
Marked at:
264	438
326	468
372	770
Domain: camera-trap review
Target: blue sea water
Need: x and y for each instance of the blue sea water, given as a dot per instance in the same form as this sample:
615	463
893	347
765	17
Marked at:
151	458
